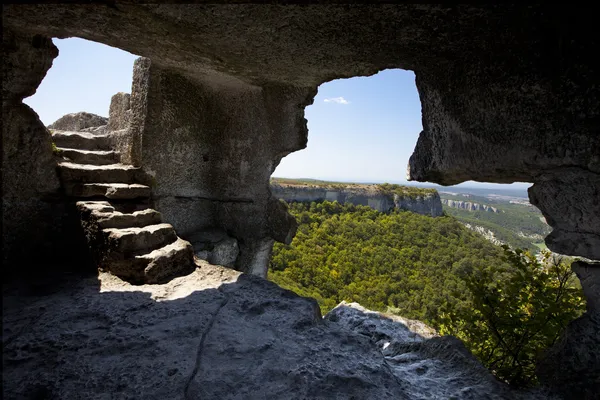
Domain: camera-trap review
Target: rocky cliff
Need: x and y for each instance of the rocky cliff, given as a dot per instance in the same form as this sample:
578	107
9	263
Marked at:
469	206
425	202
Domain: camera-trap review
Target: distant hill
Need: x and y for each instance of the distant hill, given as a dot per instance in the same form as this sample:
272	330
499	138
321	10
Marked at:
517	223
381	197
502	215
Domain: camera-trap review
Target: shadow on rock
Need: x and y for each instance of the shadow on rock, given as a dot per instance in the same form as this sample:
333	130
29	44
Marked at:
214	334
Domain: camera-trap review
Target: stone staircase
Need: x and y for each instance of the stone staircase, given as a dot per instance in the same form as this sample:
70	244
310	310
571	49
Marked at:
126	236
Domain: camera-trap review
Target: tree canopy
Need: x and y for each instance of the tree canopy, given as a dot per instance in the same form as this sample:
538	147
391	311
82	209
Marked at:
434	270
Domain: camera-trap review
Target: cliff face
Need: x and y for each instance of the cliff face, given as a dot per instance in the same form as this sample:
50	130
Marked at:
469	206
428	203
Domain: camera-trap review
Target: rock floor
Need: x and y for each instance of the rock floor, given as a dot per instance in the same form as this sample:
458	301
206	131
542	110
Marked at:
219	334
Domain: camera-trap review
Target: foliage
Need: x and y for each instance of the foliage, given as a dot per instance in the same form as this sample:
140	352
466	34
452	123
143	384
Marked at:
55	150
516	312
401	259
431	269
505	235
404	191
384	188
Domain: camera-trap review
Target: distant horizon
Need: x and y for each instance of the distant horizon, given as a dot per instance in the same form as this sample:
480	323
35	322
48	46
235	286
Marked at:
512	187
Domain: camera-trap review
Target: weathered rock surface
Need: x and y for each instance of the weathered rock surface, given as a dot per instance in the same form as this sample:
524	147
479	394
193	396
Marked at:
416	354
97	157
572	366
81	140
215	246
383	329
132	241
469	206
119	113
199	151
78	121
570	202
508	92
96	130
136	246
216	334
32	216
364	195
119	122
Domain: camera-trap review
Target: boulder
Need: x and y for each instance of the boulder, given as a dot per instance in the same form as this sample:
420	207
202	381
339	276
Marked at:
214	246
78	121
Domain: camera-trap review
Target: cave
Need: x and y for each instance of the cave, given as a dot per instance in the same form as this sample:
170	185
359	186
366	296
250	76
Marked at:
509	94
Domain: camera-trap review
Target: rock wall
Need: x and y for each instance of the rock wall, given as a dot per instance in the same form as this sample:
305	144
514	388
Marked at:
469	206
570	202
196	141
119	121
508	92
364	196
36	229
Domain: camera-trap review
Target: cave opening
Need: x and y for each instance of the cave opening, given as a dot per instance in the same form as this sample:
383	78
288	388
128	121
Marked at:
440	269
83	78
362	130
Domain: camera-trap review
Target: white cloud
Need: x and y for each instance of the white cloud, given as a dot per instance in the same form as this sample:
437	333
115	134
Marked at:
339	100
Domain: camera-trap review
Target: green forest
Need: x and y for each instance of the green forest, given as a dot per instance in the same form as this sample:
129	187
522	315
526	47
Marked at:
504	304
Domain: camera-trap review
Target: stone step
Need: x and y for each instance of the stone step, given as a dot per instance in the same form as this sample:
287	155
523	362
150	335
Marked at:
95	206
119	220
82	140
157	266
87	173
95	157
125	243
108	190
175	259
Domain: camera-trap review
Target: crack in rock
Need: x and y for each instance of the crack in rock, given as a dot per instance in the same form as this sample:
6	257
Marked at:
186	392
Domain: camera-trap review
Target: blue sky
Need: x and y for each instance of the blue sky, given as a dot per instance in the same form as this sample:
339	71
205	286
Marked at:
361	129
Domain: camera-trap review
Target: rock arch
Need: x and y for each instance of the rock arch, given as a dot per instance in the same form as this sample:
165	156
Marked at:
509	93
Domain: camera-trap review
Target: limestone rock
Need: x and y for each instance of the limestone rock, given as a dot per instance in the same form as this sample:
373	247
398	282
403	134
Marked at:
381	328
215	246
96	130
570	202
82	140
485	232
135	246
216	334
119	113
202	177
429	204
509	93
469	206
416	354
119	122
78	121
365	195
26	60
33	216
